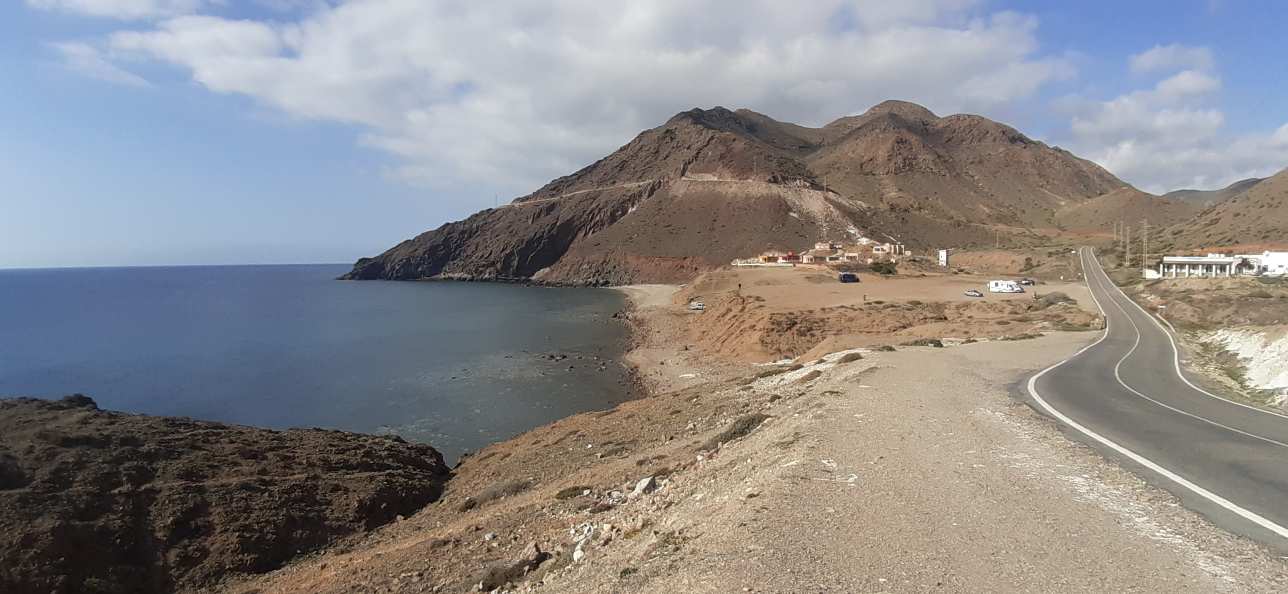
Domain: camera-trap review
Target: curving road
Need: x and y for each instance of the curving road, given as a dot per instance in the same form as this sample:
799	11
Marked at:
1128	395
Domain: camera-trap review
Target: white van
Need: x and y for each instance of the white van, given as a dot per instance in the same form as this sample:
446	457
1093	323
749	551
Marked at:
1004	286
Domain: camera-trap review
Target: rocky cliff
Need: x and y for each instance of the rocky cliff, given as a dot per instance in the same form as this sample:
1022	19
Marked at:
103	502
712	185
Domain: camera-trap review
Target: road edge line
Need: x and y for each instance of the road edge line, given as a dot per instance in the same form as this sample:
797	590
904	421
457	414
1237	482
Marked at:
1176	359
1220	501
1118	376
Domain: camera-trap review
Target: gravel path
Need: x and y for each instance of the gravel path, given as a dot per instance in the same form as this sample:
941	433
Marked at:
918	471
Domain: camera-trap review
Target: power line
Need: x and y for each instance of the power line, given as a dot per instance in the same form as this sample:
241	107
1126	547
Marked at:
1144	249
1127	246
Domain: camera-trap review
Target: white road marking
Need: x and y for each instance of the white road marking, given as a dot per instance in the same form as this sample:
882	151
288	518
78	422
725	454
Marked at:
1176	354
1246	514
1118	376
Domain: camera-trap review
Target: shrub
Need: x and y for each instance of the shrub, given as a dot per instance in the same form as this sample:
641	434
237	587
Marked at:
884	268
849	358
497	491
930	342
1025	336
809	377
570	492
1054	298
740	427
773	371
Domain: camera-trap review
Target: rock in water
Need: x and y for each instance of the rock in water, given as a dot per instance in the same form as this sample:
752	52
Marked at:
97	501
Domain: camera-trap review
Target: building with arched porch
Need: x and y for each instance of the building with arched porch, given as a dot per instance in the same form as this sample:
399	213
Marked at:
1199	266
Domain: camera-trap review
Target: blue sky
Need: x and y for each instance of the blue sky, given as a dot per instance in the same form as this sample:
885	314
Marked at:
141	132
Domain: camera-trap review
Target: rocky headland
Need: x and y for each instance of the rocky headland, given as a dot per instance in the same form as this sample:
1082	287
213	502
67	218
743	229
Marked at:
711	185
105	502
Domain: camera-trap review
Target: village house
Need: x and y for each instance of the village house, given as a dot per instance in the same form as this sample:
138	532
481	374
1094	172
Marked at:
771	257
1222	265
1210	265
1265	263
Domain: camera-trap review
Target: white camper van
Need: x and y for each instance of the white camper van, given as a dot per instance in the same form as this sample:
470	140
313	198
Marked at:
1004	286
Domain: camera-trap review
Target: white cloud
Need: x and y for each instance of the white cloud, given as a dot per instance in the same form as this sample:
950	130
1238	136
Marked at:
512	96
86	60
1171	58
122	9
1171	136
1280	137
1165	113
1186	84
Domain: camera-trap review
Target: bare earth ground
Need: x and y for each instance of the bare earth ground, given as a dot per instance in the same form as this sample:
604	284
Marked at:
912	470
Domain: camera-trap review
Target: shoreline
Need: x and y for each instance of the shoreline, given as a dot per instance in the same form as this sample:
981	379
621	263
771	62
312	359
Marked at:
665	492
721	471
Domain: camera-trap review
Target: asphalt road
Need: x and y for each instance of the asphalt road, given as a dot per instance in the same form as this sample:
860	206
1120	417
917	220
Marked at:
1127	395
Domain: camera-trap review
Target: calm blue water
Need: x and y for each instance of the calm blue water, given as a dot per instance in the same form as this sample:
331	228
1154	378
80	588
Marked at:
456	365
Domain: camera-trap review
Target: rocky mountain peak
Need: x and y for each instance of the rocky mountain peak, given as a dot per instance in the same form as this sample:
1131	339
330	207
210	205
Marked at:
904	109
712	185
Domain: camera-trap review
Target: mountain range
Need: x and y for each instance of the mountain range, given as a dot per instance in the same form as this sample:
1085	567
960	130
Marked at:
711	185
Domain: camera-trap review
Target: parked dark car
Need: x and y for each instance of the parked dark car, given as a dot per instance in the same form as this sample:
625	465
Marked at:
848	277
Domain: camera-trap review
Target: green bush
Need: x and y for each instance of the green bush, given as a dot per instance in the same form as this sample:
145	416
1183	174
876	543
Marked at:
884	268
931	342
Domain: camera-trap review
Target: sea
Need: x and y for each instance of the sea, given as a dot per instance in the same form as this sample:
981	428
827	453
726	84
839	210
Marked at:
453	364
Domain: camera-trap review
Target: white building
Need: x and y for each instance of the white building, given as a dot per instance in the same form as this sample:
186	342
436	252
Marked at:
943	258
1274	263
1266	263
1199	266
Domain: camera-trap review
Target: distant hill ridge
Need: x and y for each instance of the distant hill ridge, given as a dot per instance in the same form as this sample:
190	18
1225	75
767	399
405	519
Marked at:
710	185
1256	217
1206	198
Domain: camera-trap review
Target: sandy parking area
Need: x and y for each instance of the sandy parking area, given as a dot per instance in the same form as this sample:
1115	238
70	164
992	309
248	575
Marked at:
807	287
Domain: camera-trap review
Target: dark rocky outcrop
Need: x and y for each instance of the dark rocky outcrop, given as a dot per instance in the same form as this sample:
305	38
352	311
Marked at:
97	501
711	185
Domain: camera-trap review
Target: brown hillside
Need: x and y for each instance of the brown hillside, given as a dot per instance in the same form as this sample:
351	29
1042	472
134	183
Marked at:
962	167
712	185
1258	217
1127	204
1206	198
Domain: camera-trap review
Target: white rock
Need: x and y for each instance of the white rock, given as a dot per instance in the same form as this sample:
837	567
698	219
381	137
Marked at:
645	486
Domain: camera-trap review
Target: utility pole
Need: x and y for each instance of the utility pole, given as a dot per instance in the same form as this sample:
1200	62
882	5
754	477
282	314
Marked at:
1144	246
1127	246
